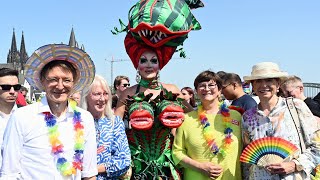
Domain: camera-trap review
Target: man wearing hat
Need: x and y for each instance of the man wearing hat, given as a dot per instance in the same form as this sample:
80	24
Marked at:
52	139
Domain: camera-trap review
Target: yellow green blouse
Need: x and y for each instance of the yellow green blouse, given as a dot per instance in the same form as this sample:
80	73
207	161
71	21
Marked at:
189	141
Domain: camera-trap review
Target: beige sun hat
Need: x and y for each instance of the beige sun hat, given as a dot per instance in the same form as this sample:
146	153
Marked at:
51	52
265	70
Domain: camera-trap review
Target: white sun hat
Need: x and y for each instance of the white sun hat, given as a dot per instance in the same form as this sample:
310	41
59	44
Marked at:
265	70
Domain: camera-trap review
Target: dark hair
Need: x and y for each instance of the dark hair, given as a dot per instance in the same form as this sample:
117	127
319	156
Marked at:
231	78
59	63
207	76
190	91
117	81
8	72
23	89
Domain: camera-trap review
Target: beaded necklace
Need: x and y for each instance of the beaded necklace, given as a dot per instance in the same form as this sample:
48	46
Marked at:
66	168
208	134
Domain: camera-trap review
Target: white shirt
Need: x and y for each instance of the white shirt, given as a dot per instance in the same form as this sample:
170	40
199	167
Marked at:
26	149
3	124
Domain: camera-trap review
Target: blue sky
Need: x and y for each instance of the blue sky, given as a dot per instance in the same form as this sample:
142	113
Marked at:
235	35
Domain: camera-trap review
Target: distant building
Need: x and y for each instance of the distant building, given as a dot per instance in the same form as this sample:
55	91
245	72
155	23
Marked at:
17	60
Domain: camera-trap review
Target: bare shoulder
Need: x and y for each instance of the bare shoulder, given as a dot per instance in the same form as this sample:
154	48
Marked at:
171	87
128	92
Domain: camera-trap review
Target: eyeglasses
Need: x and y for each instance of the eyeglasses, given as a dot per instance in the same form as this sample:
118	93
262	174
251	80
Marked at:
289	93
126	85
225	86
7	87
203	86
55	81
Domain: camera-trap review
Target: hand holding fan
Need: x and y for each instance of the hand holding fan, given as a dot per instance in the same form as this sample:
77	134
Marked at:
267	150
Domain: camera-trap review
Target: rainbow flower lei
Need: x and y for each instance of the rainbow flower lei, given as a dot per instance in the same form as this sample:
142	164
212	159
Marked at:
65	167
208	134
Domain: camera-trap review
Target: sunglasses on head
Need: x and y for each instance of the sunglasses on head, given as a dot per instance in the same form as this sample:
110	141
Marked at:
7	87
126	85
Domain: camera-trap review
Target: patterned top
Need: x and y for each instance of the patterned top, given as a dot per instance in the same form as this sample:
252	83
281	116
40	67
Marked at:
189	141
279	123
112	147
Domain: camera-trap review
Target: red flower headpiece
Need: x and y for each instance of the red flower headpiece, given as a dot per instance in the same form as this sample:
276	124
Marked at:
135	49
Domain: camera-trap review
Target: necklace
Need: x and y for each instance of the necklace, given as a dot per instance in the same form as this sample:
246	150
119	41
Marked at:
66	168
154	84
208	134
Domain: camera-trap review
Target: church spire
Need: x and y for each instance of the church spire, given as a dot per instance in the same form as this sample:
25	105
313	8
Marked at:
72	40
13	56
13	42
23	52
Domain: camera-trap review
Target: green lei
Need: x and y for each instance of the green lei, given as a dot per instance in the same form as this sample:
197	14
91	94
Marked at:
154	84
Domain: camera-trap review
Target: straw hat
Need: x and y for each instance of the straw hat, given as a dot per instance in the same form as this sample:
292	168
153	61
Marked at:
45	54
265	70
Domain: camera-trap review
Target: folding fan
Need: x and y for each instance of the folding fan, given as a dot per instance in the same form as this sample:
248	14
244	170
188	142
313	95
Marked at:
267	150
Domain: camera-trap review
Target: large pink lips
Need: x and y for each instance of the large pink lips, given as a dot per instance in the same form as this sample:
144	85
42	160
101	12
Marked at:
172	116
141	120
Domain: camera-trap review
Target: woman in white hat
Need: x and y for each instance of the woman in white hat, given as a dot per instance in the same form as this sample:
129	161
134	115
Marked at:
272	118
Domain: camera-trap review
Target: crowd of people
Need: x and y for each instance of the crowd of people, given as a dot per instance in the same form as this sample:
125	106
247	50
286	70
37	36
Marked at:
85	129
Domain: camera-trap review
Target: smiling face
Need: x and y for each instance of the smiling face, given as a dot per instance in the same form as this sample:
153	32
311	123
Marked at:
266	88
208	91
58	84
148	66
97	99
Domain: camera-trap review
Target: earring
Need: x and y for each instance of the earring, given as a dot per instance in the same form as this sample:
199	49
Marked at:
158	76
138	77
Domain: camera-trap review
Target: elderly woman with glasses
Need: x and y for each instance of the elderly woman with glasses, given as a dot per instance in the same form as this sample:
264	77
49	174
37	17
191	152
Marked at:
273	118
208	143
113	153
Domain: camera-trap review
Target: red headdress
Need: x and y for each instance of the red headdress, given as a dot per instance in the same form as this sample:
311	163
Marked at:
135	49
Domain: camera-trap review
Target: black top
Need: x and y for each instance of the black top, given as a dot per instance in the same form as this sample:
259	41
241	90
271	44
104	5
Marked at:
314	106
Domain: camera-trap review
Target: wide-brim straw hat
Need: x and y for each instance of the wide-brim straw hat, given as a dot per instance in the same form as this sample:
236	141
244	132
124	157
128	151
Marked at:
78	58
265	70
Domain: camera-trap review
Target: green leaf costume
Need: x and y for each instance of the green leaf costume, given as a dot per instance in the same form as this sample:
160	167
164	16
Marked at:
160	26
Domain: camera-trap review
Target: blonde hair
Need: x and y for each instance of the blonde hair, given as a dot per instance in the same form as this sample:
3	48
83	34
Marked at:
99	80
292	80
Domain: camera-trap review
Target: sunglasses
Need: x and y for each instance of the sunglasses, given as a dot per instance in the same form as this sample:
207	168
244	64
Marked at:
126	85
7	87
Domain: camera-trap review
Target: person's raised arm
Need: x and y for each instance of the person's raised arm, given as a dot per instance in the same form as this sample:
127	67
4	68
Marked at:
121	104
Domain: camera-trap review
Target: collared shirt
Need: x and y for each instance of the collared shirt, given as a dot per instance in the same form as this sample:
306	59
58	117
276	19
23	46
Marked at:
27	151
3	124
113	148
